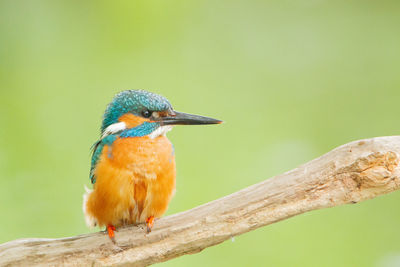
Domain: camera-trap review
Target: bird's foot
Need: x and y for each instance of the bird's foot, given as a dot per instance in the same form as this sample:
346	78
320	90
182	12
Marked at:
149	223
110	231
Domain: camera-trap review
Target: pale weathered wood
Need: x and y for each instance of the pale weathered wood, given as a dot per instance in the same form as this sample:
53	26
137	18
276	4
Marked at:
351	173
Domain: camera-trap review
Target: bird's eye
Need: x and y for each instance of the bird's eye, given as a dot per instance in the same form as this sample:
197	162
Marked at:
146	113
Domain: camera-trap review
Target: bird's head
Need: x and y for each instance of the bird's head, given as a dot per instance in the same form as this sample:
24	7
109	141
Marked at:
140	113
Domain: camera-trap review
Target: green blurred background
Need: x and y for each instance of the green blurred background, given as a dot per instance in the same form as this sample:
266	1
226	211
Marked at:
291	79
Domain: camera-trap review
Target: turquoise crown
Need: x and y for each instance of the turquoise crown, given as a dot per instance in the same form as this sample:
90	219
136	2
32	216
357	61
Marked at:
135	102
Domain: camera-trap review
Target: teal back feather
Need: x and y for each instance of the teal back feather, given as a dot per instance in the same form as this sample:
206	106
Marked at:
97	151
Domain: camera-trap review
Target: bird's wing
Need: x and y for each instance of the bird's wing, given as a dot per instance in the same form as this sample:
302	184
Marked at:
97	149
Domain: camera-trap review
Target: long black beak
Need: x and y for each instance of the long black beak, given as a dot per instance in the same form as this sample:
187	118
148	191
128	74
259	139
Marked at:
180	118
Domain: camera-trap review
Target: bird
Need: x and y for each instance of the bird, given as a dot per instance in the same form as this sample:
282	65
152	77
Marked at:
133	163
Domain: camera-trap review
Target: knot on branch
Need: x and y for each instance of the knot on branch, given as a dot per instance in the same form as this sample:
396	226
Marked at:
375	170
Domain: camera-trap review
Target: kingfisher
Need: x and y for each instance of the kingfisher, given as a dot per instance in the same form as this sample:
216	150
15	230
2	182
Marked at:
133	163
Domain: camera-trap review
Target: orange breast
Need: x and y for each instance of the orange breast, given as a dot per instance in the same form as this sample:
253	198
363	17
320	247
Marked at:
135	179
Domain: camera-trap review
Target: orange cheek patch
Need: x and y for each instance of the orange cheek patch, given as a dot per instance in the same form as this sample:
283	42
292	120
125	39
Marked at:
162	113
131	120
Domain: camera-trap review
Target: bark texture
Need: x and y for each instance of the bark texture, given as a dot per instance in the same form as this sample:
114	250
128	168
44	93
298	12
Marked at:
351	173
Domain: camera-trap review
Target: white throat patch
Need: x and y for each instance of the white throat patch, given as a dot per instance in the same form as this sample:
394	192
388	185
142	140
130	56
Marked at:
162	130
114	128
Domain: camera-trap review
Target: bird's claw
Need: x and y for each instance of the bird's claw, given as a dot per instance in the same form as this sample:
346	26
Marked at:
149	223
110	231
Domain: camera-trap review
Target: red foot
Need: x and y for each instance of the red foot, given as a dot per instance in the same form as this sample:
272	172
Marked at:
149	223
110	230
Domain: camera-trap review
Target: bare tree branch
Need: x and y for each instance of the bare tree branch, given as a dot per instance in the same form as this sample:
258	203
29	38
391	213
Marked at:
351	173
